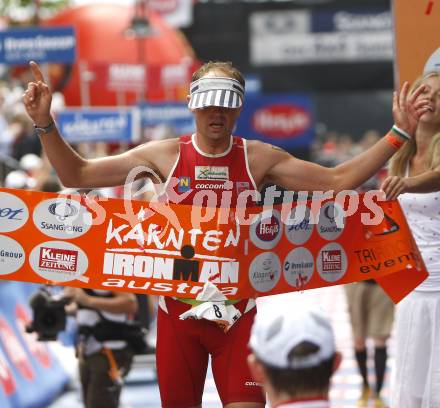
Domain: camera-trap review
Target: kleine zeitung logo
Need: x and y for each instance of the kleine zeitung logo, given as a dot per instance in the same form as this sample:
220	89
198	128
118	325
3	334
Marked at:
59	261
281	120
331	262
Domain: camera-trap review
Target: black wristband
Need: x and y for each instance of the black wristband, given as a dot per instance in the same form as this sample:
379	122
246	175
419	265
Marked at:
43	130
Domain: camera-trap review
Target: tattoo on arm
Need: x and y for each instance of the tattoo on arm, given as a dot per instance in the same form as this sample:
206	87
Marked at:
277	148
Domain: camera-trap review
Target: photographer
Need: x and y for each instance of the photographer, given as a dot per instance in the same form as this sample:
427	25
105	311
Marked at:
102	364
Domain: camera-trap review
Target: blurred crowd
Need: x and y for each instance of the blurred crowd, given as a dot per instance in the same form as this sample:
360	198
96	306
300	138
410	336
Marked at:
333	148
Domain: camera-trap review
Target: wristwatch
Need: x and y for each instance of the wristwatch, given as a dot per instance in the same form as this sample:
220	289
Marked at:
40	131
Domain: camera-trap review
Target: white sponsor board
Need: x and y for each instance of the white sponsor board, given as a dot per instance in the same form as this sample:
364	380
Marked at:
288	38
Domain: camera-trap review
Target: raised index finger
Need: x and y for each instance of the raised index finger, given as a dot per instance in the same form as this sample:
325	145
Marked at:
36	72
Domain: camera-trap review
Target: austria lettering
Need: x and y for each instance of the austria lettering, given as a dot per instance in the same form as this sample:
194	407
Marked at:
174	249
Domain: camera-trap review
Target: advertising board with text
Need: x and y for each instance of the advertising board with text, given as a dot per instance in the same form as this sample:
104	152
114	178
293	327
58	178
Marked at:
173	249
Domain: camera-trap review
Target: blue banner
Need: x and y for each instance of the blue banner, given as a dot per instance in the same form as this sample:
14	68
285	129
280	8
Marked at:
42	44
93	125
285	120
30	375
359	19
176	116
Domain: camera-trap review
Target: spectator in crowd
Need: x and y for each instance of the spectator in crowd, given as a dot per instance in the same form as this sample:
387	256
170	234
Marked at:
294	357
371	315
415	173
371	312
25	140
5	133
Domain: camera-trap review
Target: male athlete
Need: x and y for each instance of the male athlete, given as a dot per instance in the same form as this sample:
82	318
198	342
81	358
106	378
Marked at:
211	159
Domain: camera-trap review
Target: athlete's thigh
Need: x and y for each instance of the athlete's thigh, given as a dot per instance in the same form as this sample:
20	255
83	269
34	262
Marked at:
229	364
245	405
181	361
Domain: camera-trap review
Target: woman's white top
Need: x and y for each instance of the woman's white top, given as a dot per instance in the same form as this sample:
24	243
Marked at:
423	215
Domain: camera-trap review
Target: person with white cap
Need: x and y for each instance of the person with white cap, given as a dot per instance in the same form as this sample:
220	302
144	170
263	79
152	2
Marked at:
17	179
294	356
211	160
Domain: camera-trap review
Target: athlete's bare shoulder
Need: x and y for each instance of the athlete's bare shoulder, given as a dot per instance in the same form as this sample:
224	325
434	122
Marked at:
262	157
165	146
157	149
158	154
261	150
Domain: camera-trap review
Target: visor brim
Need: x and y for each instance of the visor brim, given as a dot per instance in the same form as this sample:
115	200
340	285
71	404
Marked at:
218	97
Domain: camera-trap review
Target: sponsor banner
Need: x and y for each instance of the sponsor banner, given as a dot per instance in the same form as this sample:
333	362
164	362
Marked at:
174	115
41	44
102	124
30	375
119	77
177	13
285	120
125	77
416	37
172	249
254	84
314	37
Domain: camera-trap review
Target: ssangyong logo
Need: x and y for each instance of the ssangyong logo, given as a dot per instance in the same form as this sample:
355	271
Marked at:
281	120
62	218
63	210
58	259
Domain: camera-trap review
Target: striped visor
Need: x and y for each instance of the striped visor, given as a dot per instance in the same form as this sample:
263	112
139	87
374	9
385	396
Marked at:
216	91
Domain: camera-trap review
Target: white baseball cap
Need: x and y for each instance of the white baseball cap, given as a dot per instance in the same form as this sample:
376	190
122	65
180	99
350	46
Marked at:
274	335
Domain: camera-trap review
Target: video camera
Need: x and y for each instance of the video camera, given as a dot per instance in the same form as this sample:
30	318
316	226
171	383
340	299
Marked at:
49	315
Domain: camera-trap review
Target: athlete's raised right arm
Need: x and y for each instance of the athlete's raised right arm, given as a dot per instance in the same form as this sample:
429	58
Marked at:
72	169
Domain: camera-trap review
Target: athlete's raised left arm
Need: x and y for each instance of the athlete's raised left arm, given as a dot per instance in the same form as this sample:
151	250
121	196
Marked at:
295	174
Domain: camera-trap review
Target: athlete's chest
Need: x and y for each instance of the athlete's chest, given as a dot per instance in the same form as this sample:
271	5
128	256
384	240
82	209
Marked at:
200	174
